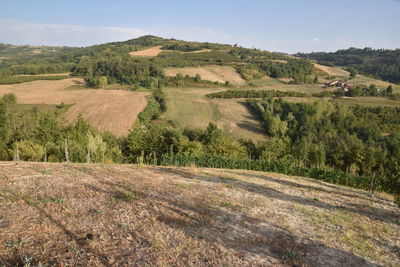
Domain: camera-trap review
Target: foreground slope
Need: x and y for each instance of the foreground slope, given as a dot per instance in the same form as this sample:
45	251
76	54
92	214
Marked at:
90	215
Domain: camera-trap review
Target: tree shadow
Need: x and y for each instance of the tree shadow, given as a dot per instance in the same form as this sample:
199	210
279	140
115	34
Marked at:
375	214
342	192
251	127
246	236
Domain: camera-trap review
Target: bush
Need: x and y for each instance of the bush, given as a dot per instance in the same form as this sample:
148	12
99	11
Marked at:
397	200
28	151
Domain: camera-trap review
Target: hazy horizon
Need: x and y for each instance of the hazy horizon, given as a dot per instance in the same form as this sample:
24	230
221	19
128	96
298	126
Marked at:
287	26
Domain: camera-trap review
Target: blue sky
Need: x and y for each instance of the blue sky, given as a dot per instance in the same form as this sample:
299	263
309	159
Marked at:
284	25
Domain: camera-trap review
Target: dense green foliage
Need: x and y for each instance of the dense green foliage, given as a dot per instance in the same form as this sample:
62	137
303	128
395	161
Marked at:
322	140
358	140
112	62
211	161
381	63
299	70
372	90
23	79
36	136
255	94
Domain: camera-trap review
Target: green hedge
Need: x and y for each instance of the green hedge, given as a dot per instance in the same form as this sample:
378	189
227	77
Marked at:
334	177
23	79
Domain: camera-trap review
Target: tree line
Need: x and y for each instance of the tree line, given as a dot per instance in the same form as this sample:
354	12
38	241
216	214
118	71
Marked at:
323	140
383	64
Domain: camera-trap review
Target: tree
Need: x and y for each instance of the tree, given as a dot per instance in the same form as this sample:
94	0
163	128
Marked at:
353	73
316	80
28	151
389	89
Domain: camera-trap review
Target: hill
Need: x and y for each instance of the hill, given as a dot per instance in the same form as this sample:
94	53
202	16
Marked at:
106	215
381	63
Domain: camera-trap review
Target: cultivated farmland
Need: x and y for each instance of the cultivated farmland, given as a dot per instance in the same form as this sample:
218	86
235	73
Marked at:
210	73
109	110
190	107
149	52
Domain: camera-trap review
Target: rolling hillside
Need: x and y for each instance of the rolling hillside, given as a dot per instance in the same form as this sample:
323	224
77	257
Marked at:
109	215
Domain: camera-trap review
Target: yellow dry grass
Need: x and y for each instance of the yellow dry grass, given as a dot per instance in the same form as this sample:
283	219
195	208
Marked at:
190	108
123	215
108	110
149	52
210	73
333	71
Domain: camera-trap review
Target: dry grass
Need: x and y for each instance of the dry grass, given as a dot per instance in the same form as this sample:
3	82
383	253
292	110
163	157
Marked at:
109	110
333	71
210	73
190	107
122	215
149	52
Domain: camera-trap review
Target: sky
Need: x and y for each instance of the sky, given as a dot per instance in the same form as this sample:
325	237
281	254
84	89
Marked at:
276	25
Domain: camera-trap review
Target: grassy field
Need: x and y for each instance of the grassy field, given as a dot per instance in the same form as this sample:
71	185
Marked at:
210	73
108	110
190	107
125	215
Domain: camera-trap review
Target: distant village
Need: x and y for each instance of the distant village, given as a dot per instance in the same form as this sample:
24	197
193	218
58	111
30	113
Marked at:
344	86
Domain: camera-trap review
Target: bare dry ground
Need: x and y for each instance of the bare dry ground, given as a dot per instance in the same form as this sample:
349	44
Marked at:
108	110
149	52
125	215
210	73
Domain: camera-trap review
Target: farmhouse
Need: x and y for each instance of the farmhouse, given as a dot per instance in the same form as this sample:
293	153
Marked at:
340	85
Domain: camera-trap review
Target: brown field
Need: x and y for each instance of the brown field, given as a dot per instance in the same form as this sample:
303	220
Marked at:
149	52
333	71
126	215
210	73
108	110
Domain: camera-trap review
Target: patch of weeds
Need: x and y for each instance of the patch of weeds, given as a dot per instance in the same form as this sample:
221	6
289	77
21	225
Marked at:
3	177
13	244
290	256
183	186
230	186
95	211
397	200
42	171
197	236
28	261
124	195
158	242
227	179
233	206
78	252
